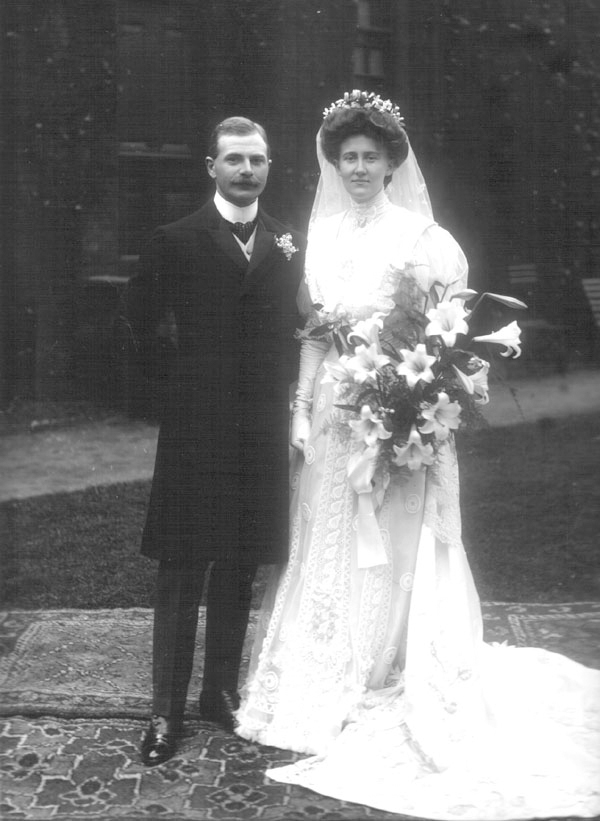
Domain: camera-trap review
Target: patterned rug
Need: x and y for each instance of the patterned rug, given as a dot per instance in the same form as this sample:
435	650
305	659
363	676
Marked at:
74	689
97	663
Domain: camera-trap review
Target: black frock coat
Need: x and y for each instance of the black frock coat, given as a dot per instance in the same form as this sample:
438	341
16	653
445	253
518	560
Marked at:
219	332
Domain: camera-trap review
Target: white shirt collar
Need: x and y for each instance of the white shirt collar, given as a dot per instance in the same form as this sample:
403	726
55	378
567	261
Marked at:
235	213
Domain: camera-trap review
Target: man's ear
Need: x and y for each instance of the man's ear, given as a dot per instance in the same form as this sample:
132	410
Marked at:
210	166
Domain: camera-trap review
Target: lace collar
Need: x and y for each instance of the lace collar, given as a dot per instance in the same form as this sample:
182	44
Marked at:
363	213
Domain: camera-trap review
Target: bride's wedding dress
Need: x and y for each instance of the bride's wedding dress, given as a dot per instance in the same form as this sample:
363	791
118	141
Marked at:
381	673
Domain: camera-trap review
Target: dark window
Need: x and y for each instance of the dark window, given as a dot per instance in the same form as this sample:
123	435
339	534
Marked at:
156	179
371	55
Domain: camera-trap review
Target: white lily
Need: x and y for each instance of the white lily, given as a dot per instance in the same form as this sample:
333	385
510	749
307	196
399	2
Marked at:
369	428
416	365
509	336
476	383
447	320
414	454
338	371
441	417
366	362
466	294
465	380
509	301
367	330
480	383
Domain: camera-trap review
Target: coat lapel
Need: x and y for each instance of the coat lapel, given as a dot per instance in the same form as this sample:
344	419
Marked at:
212	222
264	244
227	243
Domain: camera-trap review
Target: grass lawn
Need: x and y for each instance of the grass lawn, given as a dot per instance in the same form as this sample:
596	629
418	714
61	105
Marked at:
530	498
531	520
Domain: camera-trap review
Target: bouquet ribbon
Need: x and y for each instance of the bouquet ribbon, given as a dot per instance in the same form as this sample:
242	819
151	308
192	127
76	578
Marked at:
370	547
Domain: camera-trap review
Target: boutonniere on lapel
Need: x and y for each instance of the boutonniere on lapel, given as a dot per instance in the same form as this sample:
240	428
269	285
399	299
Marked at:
285	244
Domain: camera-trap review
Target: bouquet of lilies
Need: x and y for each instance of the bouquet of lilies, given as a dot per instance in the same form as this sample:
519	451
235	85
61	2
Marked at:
407	379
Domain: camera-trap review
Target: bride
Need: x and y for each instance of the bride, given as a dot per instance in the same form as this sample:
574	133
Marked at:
369	654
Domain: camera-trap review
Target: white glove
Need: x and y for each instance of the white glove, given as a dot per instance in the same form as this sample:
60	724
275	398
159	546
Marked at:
312	353
300	430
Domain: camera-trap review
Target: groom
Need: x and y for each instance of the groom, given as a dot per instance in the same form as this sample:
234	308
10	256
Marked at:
213	314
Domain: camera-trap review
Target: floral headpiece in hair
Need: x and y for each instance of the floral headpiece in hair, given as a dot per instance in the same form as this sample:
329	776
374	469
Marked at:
367	100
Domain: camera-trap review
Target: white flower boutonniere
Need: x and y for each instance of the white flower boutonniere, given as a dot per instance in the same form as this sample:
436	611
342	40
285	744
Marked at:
285	244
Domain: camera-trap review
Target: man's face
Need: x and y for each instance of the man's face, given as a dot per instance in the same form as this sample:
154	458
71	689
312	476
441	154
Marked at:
240	168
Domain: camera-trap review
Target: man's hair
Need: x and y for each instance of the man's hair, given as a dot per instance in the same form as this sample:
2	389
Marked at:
241	127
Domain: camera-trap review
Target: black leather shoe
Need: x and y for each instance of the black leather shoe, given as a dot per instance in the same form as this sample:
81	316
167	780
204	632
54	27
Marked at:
219	706
160	741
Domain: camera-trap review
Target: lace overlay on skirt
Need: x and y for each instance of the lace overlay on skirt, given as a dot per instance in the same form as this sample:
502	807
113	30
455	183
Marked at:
333	630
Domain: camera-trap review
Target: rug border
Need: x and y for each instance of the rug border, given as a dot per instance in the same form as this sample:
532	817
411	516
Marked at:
137	707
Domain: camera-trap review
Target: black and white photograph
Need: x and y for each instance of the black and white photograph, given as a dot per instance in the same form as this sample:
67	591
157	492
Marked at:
299	410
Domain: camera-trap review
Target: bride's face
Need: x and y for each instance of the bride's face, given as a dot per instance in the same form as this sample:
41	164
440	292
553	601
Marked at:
363	165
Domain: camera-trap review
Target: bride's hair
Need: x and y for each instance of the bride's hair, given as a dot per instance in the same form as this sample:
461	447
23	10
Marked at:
341	123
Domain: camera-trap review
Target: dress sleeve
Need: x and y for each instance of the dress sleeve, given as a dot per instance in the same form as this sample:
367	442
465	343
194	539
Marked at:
437	257
304	301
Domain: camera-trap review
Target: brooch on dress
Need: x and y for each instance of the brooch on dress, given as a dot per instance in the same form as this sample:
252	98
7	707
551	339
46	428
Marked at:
285	244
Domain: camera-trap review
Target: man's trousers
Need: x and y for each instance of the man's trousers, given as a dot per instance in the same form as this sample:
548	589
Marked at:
178	596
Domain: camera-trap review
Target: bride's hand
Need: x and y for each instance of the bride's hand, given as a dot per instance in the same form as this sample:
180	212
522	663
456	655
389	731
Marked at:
300	430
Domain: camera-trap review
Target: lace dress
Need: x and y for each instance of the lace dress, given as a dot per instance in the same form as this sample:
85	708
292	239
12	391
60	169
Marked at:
382	671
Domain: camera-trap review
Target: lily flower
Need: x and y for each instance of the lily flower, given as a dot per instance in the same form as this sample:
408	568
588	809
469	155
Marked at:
441	417
476	383
447	320
466	294
367	330
464	380
338	371
369	428
509	336
480	383
414	454
416	365
366	362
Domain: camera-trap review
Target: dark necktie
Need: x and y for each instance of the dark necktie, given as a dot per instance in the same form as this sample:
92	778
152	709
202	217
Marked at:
243	230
